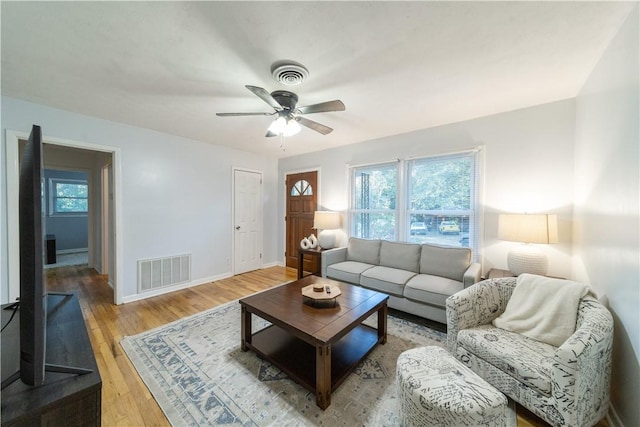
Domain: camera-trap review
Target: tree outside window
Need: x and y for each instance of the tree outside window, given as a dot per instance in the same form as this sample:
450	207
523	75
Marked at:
69	196
374	195
437	203
441	199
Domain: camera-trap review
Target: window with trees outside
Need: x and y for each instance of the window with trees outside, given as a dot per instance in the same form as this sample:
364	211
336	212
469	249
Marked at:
68	197
373	205
436	204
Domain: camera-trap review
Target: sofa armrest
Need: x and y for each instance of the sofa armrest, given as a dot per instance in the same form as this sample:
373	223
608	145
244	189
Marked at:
332	256
476	305
582	364
472	275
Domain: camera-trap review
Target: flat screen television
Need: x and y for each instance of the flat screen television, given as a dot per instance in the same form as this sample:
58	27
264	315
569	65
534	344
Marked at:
33	294
32	305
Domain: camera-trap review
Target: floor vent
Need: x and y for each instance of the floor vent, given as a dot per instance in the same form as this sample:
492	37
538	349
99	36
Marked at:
160	272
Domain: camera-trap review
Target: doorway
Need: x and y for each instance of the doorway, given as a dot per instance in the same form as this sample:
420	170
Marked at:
301	203
63	147
66	213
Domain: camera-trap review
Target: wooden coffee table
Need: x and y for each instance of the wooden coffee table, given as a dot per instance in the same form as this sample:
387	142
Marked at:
316	347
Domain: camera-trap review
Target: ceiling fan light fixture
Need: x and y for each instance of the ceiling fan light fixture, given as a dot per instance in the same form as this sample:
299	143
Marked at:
279	125
289	116
292	128
286	126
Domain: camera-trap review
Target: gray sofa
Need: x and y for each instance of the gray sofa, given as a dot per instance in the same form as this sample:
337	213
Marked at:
417	277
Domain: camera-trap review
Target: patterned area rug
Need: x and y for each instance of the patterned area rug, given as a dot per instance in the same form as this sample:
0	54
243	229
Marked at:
196	371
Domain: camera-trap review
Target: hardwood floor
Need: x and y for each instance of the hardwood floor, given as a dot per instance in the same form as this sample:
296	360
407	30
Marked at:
126	401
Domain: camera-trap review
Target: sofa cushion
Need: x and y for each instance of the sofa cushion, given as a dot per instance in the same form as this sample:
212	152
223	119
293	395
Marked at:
385	279
363	250
347	271
527	360
431	289
404	256
445	261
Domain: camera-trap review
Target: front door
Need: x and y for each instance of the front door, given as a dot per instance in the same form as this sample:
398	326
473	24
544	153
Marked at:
302	199
247	221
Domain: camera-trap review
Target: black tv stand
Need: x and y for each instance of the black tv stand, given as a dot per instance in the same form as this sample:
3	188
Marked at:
63	399
48	367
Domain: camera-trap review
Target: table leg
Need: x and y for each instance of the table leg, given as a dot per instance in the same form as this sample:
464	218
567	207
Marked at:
245	328
323	376
382	324
300	264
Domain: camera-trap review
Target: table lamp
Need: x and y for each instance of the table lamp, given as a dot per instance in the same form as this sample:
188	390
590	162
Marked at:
326	222
528	229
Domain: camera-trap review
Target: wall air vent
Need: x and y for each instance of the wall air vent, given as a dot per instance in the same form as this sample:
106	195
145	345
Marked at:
161	272
289	74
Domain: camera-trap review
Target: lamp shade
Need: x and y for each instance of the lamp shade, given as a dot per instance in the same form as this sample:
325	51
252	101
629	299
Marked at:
278	126
326	220
292	128
528	228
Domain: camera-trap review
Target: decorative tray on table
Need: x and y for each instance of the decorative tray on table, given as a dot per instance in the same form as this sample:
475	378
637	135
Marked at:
319	295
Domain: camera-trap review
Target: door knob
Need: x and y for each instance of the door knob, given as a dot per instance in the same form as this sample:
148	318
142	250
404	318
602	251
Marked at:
237	227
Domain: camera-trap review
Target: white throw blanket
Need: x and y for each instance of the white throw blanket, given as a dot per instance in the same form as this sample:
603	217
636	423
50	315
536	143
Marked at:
542	308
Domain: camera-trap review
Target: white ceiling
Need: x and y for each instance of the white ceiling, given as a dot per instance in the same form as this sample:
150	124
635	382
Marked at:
397	66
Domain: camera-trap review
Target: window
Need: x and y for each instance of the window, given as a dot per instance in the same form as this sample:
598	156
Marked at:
436	204
374	195
68	197
441	200
302	188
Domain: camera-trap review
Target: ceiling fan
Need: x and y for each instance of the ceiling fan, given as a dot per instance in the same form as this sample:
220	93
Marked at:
290	116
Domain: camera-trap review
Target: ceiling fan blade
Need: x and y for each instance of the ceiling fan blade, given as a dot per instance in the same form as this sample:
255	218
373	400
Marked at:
265	96
335	105
270	134
314	125
243	114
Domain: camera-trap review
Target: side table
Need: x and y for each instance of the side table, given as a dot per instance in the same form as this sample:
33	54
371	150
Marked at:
495	273
315	252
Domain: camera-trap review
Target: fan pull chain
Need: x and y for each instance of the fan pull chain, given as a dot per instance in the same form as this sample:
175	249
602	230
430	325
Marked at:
282	141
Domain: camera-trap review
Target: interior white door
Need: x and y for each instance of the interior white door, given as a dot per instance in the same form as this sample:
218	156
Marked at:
247	221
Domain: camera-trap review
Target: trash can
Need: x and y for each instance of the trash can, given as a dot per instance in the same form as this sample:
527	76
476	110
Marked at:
51	248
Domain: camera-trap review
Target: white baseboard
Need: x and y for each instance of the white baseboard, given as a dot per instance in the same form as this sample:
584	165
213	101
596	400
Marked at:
271	264
178	287
612	418
168	289
71	251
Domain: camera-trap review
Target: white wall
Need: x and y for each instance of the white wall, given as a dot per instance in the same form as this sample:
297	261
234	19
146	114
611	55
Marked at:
607	205
176	192
528	168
